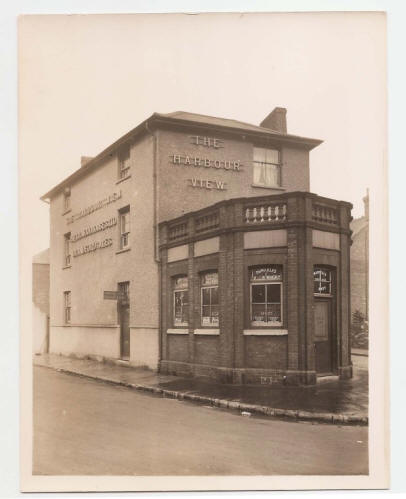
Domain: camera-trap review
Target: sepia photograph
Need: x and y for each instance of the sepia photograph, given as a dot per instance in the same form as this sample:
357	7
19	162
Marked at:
203	197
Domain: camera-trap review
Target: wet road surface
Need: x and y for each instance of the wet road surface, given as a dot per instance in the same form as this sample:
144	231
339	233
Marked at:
82	427
329	395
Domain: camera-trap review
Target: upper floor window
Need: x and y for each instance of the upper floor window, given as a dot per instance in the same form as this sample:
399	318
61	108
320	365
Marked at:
209	299
67	255
267	168
67	306
180	301
124	164
322	281
125	228
266	295
66	199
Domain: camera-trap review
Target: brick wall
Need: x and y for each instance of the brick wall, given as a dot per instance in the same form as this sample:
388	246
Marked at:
178	348
267	352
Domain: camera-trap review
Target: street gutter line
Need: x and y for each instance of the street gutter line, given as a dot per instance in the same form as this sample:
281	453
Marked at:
297	415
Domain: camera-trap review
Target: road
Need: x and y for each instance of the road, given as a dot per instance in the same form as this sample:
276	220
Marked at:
83	427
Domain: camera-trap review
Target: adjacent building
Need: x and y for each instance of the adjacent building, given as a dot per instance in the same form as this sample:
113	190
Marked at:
193	245
40	301
360	261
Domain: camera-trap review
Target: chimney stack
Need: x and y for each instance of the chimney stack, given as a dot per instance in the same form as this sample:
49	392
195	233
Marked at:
276	120
84	160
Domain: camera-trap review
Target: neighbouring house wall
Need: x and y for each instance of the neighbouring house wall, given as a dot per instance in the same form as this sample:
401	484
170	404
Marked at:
40	301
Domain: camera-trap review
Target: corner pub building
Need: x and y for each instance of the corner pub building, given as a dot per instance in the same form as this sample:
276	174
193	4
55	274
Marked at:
193	246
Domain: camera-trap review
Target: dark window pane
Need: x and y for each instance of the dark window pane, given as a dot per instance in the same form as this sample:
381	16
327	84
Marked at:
206	296
274	313
206	311
214	296
258	313
258	293
214	311
273	293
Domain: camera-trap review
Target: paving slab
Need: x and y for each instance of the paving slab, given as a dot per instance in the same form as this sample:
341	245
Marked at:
332	400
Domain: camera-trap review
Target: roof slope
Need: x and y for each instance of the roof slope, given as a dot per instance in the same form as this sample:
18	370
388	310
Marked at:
212	120
182	118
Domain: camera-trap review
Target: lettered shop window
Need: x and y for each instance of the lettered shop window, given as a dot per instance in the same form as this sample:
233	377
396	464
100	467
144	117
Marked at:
266	295
124	163
67	257
125	228
267	168
67	306
322	281
209	299
180	301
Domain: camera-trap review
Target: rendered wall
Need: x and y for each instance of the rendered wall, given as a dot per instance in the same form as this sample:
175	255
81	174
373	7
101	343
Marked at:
175	180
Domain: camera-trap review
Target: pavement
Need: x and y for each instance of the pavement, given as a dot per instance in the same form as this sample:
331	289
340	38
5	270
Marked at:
332	400
84	427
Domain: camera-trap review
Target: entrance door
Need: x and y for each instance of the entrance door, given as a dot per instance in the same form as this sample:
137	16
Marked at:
322	336
124	318
125	331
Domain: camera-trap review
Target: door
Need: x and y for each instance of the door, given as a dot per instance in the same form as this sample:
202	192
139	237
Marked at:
124	311
322	336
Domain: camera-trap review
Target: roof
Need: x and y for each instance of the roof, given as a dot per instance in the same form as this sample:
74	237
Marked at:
212	120
185	119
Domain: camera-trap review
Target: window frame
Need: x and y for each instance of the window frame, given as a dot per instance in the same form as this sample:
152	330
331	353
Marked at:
124	156
264	282
263	164
67	255
124	236
176	290
67	307
210	287
321	268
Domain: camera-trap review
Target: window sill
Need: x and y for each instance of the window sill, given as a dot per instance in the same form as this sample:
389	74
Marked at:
122	179
177	331
275	188
67	267
66	211
209	332
122	251
265	332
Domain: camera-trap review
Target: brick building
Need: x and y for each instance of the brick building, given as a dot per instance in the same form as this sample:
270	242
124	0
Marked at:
193	245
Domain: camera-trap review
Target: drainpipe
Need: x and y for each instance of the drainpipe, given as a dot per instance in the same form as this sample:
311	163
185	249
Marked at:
156	233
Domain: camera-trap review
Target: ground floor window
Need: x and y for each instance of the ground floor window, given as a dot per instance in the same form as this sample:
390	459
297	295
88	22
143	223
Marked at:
180	301
67	306
266	295
209	299
322	281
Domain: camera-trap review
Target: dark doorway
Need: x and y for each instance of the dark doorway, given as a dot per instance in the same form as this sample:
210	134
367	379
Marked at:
123	303
322	336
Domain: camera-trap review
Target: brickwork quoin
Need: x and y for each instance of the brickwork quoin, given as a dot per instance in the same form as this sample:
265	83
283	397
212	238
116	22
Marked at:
306	331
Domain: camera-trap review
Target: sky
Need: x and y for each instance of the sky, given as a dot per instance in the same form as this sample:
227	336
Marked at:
85	80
